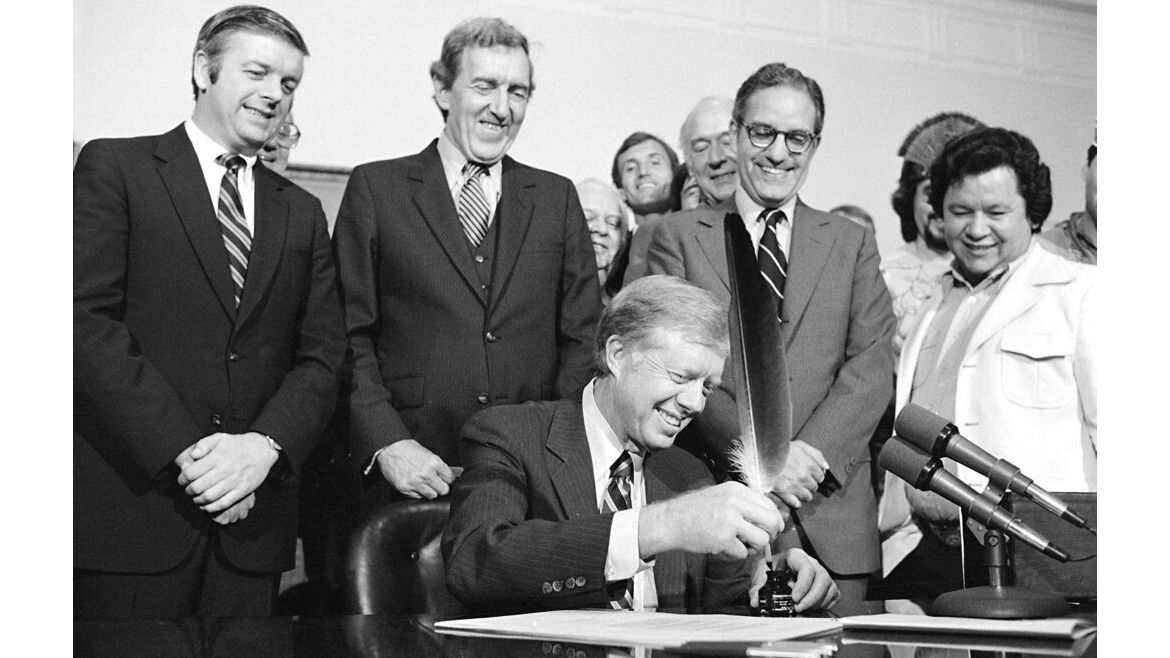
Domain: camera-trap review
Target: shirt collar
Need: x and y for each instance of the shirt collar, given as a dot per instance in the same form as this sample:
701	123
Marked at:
453	160
751	210
604	444
207	149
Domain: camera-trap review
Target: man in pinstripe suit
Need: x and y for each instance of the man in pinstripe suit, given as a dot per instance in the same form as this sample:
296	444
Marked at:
525	530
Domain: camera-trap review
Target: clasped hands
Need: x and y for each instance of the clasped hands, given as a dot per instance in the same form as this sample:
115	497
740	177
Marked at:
222	471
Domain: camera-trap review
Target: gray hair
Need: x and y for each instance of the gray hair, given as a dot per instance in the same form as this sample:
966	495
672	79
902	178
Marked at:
659	303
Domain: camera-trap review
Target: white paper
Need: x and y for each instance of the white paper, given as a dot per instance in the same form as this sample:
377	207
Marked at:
1067	628
625	628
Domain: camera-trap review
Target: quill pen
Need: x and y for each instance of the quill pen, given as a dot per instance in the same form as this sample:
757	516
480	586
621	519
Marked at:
758	364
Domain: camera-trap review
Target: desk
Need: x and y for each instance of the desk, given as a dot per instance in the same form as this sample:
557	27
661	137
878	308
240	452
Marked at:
398	636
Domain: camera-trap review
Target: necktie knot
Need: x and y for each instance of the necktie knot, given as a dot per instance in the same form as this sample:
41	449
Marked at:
622	467
474	169
772	216
231	161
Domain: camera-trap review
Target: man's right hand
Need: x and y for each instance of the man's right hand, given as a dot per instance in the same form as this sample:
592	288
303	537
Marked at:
803	472
727	519
415	471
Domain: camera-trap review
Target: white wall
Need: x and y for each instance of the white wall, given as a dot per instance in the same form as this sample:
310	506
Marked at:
605	68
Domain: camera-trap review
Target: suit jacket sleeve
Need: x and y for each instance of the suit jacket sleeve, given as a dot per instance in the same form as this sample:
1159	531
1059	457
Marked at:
496	546
298	411
843	422
580	304
140	415
374	423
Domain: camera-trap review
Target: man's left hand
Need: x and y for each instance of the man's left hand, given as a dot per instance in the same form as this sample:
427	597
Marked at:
813	588
220	470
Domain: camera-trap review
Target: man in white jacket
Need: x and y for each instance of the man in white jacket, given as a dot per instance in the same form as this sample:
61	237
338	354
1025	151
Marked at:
1006	347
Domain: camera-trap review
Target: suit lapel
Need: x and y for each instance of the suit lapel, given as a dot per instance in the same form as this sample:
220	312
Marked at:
181	174
432	198
513	217
808	251
270	228
570	466
711	240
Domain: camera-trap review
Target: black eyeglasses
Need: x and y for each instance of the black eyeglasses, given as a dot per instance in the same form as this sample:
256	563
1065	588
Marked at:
762	135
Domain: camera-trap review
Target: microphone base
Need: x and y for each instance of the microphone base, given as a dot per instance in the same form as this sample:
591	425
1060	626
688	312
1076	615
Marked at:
1005	602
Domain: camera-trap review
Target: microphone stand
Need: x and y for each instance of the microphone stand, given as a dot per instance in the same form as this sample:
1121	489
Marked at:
998	600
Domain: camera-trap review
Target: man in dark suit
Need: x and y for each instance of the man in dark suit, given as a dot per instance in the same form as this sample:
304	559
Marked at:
468	278
207	337
835	316
586	502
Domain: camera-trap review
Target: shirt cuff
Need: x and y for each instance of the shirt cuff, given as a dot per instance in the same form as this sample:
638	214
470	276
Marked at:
623	559
373	460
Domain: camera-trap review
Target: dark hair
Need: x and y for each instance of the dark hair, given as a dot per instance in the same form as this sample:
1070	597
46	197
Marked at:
213	35
661	302
777	74
482	32
676	186
985	149
903	198
1092	154
632	141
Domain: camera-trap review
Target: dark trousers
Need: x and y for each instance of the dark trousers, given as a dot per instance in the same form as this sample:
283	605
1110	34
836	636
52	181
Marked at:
203	585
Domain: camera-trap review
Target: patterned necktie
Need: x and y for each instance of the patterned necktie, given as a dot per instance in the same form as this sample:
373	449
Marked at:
617	498
473	205
236	236
773	264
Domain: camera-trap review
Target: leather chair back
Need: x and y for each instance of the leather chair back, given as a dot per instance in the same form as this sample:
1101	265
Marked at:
394	563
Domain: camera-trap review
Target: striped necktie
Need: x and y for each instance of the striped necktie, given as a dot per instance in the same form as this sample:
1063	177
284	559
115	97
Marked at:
617	498
773	264
473	205
236	236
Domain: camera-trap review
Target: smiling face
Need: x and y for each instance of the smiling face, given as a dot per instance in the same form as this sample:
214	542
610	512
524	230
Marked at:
645	174
251	94
930	225
773	175
986	223
659	385
603	215
710	151
485	104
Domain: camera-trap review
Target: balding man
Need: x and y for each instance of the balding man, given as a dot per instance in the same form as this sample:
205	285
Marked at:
608	231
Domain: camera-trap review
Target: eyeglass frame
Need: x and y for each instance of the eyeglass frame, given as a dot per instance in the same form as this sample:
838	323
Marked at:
813	137
287	141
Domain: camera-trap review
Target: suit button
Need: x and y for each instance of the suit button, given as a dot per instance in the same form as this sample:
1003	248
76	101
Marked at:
491	337
482	398
580	581
233	356
546	587
216	420
478	258
557	585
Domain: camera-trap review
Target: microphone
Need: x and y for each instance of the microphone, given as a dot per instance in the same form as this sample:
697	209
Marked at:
917	467
941	438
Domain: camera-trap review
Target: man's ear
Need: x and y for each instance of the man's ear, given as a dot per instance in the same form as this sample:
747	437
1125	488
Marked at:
442	94
201	70
616	355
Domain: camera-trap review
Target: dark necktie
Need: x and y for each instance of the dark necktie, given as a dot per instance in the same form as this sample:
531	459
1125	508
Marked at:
473	205
617	498
236	236
773	264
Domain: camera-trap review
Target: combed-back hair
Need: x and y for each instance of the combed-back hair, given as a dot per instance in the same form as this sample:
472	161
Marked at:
481	32
985	149
778	74
213	36
657	303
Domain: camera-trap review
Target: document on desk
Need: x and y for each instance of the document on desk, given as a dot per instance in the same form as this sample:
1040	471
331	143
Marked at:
655	629
1067	629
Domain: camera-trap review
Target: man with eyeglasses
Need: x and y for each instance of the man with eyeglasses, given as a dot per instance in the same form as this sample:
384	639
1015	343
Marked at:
835	315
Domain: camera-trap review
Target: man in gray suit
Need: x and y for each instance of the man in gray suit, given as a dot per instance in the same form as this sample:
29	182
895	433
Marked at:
835	316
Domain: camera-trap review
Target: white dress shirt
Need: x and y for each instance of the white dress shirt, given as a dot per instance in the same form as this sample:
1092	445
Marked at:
750	211
623	559
207	150
453	162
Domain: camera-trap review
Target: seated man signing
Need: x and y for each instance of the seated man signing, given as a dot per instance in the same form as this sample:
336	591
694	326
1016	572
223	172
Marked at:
587	503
